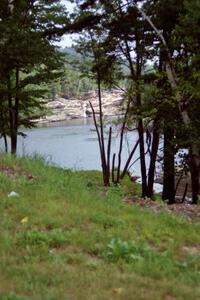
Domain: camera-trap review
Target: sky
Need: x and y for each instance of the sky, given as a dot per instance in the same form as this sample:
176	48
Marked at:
67	39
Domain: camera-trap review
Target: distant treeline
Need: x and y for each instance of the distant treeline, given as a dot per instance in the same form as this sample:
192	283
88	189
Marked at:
75	79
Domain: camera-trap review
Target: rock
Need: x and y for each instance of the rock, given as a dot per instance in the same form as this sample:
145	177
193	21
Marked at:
13	194
65	109
55	105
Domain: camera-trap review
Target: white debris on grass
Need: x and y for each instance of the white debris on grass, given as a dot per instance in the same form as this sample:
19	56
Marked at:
13	194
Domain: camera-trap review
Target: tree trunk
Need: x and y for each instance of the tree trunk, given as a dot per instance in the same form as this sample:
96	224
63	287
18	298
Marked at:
3	130
121	141
142	158
129	160
100	133
140	120
5	142
154	151
108	153
106	173
16	114
11	116
195	173
13	110
169	173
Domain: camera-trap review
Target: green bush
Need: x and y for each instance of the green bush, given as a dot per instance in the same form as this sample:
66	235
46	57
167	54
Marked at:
128	251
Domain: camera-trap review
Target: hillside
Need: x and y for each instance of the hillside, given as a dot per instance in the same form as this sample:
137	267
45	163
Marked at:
64	236
71	53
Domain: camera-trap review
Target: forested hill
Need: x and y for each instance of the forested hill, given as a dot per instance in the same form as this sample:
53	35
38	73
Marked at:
71	53
75	79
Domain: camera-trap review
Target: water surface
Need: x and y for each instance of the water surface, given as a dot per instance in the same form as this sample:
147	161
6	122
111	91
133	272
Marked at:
71	144
74	145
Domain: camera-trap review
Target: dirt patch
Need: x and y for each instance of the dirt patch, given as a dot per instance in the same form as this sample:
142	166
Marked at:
191	212
15	172
183	187
191	250
170	297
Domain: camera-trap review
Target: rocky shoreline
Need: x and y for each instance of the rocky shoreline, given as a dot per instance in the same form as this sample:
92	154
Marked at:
63	108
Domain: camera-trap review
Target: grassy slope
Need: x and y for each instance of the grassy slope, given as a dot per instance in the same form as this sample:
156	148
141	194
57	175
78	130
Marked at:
62	251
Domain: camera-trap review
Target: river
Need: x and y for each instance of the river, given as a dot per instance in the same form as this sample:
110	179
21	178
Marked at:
73	145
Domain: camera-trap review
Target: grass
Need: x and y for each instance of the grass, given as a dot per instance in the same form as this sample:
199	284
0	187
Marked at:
67	237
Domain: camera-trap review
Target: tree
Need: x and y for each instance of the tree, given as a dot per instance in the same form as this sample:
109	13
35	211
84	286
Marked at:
119	44
135	31
188	40
164	15
91	44
174	62
28	60
130	42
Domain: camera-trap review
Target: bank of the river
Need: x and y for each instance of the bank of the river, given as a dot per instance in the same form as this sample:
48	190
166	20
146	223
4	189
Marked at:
64	236
62	108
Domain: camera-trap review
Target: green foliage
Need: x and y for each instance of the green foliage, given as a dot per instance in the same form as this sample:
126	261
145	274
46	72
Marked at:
107	221
76	79
52	238
139	254
11	296
28	61
130	252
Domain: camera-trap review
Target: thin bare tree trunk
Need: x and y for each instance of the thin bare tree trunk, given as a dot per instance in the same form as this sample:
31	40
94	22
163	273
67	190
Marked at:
104	163
153	156
108	152
113	168
96	127
121	141
129	160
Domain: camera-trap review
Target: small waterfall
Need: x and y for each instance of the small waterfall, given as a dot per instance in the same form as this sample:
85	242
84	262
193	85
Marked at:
84	110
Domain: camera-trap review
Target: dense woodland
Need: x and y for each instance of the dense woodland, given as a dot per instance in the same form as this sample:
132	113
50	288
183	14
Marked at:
74	80
149	49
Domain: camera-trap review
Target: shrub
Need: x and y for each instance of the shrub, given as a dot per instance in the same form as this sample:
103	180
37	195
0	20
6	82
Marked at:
128	251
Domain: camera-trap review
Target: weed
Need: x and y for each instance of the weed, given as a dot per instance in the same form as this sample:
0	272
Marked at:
130	252
107	220
54	238
11	296
114	191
